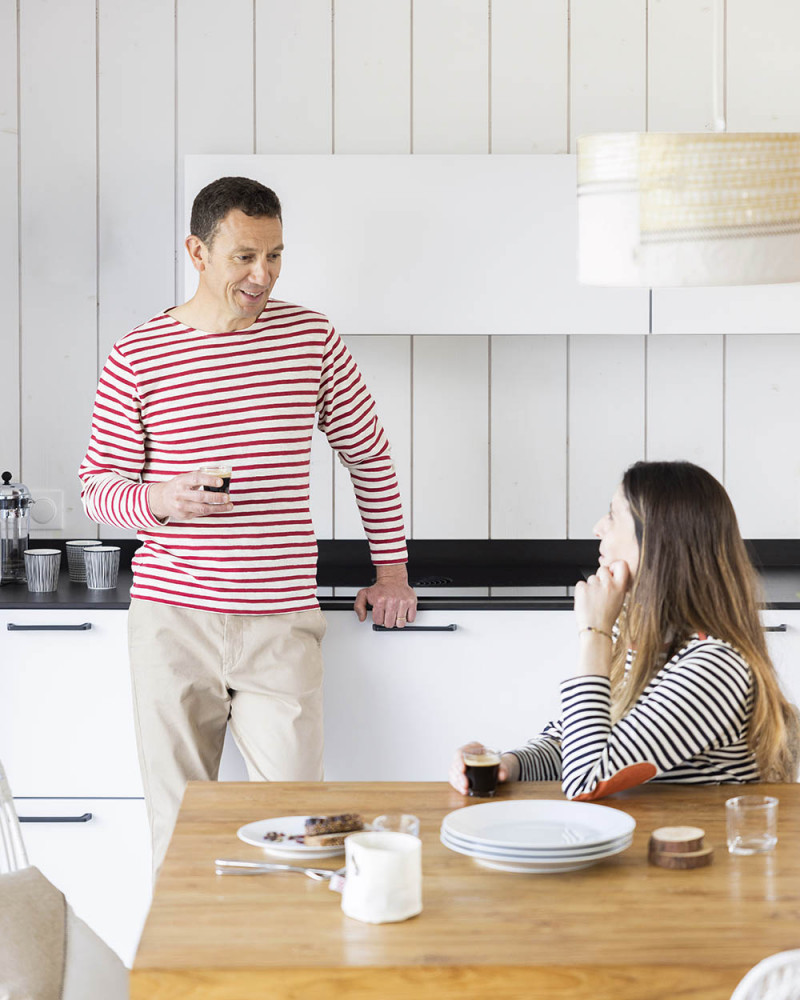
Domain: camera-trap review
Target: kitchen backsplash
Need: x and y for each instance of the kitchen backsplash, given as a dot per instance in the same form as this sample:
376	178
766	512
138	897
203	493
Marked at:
494	436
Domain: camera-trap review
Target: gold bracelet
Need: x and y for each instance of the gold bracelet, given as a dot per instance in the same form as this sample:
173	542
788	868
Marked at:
591	628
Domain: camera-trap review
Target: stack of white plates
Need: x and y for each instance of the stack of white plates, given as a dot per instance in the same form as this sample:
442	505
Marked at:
538	835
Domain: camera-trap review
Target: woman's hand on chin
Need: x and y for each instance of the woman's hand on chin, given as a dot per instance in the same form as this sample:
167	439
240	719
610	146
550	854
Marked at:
599	600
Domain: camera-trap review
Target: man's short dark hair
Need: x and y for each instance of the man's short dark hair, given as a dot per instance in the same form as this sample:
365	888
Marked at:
224	195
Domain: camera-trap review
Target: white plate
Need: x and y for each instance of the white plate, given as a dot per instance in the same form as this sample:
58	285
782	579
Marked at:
541	824
292	826
532	853
507	864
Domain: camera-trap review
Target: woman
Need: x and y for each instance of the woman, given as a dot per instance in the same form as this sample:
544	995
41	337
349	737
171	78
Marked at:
673	681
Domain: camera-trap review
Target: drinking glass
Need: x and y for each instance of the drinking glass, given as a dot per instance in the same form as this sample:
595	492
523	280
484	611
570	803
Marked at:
752	822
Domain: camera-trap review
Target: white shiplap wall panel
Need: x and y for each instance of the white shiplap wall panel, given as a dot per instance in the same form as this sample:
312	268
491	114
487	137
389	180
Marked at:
607	67
763	67
685	382
385	363
451	76
451	437
762	464
606	422
529	111
214	79
528	437
293	76
372	76
294	114
680	66
9	243
58	163
136	193
746	309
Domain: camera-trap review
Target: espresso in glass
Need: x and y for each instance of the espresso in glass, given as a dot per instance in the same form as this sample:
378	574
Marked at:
222	472
482	767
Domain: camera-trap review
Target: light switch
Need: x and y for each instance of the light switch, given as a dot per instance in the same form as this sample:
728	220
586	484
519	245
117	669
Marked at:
48	511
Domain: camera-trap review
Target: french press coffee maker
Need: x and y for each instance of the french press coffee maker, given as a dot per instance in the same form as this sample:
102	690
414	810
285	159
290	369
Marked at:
15	518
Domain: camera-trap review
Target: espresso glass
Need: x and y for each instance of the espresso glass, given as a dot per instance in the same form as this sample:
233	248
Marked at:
222	472
482	767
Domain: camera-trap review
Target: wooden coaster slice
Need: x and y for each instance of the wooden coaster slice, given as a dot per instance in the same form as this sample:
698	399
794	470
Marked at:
689	859
677	839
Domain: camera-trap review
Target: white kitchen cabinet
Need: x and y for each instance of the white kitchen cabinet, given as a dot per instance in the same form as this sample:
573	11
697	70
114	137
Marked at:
784	648
66	716
398	703
96	851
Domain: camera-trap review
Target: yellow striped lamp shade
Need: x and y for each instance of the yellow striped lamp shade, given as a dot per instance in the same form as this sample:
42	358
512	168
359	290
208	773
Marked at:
661	209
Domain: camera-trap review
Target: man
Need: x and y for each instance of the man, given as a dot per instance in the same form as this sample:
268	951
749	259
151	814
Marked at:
224	621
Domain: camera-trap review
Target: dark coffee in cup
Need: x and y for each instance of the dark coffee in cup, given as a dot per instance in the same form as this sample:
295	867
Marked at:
482	769
223	473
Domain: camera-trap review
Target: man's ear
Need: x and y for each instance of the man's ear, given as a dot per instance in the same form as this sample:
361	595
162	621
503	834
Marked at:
198	252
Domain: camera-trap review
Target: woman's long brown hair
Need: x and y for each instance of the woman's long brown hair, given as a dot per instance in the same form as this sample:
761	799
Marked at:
695	575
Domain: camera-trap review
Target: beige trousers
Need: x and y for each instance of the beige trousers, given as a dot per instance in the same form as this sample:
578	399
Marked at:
193	672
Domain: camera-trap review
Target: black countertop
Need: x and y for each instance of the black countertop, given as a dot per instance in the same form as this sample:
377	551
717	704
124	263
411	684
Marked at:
550	566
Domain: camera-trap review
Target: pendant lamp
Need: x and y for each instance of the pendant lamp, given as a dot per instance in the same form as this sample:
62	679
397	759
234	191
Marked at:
661	209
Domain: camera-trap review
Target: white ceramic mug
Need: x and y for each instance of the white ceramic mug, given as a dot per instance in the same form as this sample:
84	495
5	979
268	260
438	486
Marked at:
383	883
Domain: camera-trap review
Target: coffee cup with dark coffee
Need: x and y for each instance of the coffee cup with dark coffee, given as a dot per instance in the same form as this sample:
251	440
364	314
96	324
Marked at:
482	767
222	472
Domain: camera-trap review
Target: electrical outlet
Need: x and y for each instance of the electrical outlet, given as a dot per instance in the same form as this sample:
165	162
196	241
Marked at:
47	514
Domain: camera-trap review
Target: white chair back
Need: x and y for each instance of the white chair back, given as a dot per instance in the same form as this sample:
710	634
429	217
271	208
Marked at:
13	857
774	978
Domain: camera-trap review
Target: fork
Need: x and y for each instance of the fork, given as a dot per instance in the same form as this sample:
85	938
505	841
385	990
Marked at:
225	867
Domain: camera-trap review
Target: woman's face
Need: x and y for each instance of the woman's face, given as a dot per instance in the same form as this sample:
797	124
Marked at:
617	534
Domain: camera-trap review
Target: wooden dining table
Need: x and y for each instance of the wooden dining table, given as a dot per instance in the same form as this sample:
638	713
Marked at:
621	929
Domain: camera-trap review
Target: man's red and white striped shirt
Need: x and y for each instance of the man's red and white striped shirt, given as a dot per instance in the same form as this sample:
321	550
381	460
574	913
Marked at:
172	398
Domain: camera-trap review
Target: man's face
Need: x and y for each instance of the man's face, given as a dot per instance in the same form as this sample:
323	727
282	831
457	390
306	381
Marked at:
239	269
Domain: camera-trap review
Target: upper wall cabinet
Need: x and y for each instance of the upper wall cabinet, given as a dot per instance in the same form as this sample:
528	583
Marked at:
431	244
745	309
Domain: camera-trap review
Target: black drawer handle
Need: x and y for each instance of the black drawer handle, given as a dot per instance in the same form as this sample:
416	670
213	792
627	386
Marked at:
49	628
775	628
416	628
56	819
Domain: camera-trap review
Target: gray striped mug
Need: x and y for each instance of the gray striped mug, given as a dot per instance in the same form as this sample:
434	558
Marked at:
41	569
102	566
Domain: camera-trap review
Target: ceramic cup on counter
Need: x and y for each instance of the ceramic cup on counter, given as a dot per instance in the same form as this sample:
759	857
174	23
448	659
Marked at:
75	560
102	566
383	881
41	568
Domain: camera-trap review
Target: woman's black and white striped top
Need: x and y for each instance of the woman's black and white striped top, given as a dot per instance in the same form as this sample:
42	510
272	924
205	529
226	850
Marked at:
689	726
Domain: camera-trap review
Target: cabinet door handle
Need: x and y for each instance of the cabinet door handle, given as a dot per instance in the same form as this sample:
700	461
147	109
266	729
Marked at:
56	819
775	628
49	628
416	628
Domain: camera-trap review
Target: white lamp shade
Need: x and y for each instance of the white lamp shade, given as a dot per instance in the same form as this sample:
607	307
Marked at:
677	209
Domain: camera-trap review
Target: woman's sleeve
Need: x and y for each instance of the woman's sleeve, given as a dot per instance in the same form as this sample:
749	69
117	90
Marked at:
540	758
703	702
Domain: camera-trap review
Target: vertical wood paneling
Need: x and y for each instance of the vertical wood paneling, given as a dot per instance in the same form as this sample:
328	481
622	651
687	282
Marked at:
450	76
606	422
136	157
607	67
215	98
385	363
450	437
529	110
685	382
762	462
9	243
372	76
529	437
293	76
763	66
58	244
680	66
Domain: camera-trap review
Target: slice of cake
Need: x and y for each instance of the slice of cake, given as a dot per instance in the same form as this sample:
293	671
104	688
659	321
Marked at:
330	831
